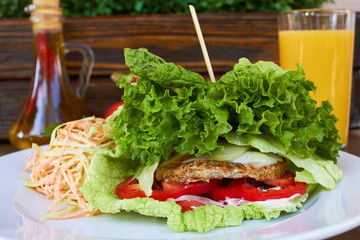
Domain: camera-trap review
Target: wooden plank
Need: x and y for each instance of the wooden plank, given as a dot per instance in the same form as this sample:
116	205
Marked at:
355	100
228	37
357	42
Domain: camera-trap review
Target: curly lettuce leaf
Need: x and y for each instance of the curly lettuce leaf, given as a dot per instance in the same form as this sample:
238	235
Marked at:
171	108
108	169
278	103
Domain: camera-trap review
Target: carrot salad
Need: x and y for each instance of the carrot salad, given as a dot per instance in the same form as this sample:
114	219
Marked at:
60	170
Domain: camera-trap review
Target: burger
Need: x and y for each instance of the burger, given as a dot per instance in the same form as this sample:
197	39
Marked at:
204	155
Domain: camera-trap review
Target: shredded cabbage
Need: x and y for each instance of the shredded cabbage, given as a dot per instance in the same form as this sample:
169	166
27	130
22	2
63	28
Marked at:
62	168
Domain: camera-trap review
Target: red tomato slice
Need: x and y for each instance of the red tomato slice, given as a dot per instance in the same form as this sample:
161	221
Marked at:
195	188
240	188
189	205
113	108
130	189
286	180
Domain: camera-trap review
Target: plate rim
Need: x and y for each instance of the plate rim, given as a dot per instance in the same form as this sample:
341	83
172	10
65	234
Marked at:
322	232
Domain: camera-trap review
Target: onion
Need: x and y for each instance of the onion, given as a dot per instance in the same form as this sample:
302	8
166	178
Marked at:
208	201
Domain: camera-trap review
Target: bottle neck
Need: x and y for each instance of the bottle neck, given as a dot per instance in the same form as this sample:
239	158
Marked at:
48	38
46	19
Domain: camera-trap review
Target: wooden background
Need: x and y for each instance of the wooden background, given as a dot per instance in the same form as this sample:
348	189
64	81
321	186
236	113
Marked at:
228	37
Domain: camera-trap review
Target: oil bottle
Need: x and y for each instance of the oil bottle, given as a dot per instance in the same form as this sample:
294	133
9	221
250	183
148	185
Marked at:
52	98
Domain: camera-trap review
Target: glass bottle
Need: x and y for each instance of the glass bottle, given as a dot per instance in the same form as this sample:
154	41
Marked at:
52	98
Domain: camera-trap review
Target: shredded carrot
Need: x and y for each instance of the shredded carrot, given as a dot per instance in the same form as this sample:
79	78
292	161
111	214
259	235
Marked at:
60	170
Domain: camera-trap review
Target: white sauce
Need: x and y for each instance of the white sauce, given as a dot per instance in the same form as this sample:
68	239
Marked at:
274	204
271	204
258	159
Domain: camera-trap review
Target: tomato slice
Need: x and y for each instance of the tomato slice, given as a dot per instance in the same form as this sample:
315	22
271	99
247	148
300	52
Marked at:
130	189
240	188
287	179
195	188
113	108
247	189
189	205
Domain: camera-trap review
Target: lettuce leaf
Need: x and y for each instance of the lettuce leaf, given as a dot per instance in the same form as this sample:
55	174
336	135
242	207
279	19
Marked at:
145	176
171	108
107	171
151	67
310	170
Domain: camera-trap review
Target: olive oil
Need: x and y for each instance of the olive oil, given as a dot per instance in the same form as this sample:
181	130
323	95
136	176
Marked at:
51	98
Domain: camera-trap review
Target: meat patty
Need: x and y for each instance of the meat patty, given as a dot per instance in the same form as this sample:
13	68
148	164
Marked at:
204	170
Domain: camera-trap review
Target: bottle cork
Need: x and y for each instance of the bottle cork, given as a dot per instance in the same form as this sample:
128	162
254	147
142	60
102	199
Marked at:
47	3
46	15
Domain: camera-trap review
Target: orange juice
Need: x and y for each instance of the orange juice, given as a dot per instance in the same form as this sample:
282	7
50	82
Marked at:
327	59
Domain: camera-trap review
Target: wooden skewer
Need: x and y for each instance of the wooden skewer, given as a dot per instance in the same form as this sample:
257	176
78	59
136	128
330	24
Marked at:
202	43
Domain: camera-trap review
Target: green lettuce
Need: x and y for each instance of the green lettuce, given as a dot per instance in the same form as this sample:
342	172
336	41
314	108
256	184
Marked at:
106	172
310	170
171	108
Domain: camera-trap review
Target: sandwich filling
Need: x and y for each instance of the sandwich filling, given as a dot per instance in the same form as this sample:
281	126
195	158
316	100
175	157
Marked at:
235	176
233	162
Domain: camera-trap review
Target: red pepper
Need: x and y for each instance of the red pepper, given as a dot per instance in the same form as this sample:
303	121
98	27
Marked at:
46	56
46	66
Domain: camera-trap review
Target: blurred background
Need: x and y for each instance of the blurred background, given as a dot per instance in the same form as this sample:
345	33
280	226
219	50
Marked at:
81	8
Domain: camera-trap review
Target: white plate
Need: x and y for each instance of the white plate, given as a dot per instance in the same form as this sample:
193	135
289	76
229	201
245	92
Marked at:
324	215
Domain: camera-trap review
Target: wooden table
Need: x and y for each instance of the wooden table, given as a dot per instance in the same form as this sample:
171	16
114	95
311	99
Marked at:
353	148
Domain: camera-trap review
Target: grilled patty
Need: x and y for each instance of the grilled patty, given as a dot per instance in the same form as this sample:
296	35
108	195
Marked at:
204	170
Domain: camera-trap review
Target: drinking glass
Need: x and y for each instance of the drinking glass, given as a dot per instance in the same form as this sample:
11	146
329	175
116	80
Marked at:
322	42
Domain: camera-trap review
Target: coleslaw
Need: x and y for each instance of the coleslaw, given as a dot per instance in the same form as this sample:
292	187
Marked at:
60	170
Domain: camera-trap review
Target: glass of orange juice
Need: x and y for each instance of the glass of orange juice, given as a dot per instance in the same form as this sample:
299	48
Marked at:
322	42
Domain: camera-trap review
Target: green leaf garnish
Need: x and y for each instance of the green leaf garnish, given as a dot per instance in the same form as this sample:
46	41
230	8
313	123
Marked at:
49	129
